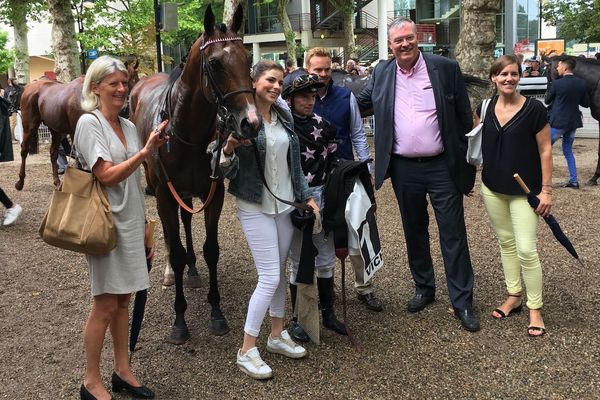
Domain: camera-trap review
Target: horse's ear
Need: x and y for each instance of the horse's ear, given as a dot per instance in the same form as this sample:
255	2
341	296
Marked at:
137	64
238	19
126	63
209	21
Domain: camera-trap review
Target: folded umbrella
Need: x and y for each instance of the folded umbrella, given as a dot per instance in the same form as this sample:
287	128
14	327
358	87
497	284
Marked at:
533	201
141	296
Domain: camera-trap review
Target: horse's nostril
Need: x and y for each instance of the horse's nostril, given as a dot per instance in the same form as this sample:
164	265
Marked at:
248	129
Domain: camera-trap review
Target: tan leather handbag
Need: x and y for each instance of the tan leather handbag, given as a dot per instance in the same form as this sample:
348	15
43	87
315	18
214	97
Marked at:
79	217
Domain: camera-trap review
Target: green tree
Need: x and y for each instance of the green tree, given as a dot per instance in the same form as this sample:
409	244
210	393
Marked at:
6	55
123	28
575	19
16	13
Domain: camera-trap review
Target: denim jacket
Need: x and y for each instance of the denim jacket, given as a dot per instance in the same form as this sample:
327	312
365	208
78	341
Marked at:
244	179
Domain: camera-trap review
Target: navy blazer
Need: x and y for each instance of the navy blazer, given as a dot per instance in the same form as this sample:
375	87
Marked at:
453	114
565	95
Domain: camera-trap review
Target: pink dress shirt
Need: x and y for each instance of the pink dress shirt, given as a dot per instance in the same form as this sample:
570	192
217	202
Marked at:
416	128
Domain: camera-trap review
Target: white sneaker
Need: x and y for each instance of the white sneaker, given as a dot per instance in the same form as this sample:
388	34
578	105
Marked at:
251	364
11	215
286	346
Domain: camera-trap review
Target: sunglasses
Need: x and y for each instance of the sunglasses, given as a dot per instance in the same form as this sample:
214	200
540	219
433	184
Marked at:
305	79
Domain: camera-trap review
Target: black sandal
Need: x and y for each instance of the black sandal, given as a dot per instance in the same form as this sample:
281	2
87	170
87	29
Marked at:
536	329
515	310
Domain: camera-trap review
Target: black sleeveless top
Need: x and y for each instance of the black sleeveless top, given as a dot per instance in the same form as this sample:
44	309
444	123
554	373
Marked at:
513	148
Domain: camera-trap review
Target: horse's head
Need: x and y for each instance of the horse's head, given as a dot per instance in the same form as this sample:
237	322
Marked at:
224	64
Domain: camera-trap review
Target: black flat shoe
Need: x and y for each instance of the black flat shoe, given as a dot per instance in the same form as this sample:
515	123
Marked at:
468	319
140	392
84	394
419	302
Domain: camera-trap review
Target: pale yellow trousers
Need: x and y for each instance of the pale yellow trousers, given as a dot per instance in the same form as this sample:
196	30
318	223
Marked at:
515	224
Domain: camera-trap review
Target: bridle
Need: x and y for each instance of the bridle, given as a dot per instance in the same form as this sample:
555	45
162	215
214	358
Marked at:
224	116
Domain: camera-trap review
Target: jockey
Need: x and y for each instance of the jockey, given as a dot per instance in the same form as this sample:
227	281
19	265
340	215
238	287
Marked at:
317	146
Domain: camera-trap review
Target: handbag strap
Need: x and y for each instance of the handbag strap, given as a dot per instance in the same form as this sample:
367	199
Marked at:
261	172
484	107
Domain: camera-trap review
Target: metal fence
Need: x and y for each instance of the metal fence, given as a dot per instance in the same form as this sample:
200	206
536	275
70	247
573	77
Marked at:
44	135
369	125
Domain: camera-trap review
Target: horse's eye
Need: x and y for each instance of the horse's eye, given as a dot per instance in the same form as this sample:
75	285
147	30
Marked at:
214	62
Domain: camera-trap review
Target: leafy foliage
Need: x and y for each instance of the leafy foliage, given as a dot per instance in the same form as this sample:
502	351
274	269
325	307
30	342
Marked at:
11	9
6	56
575	19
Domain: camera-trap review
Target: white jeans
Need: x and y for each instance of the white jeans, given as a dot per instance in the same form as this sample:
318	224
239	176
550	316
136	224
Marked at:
269	238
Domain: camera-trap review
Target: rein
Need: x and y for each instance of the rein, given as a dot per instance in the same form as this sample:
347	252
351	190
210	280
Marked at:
222	112
300	206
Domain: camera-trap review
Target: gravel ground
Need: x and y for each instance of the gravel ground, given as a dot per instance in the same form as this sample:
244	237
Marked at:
44	300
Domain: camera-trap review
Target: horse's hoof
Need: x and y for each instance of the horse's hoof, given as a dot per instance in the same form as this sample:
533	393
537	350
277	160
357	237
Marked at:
218	327
19	185
178	335
192	281
168	280
591	182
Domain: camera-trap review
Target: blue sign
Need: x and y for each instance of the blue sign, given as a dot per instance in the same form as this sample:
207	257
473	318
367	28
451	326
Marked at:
92	54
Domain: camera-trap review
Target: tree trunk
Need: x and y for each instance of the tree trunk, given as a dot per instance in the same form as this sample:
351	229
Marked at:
66	53
346	7
349	42
477	40
19	22
288	32
229	7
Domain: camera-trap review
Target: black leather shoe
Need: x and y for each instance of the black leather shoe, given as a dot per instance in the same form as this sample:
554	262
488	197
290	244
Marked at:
140	392
371	301
84	394
569	184
419	302
468	319
297	333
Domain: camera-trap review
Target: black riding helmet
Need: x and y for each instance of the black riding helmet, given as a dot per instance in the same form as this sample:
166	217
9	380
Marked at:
300	81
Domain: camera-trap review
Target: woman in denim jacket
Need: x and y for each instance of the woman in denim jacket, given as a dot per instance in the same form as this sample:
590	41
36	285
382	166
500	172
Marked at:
265	221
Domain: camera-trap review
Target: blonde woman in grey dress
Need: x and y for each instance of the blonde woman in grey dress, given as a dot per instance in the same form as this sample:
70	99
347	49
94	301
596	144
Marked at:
109	146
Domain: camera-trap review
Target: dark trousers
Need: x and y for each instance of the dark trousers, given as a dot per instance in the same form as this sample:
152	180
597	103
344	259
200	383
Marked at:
413	180
5	200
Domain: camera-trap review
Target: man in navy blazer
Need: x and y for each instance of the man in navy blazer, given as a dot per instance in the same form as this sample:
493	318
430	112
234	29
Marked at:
565	95
422	114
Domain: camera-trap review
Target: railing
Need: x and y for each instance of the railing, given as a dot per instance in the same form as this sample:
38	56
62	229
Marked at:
426	33
300	22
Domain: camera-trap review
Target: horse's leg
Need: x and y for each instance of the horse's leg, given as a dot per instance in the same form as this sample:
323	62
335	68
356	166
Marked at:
169	217
218	324
193	279
593	181
56	139
29	134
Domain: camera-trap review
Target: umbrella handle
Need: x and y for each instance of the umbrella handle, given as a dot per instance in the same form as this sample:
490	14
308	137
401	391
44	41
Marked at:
521	183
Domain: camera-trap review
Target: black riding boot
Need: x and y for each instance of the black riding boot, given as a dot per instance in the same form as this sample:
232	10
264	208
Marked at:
327	299
295	330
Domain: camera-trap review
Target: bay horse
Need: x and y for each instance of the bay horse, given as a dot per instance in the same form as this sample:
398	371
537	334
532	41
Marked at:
588	70
58	106
215	79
